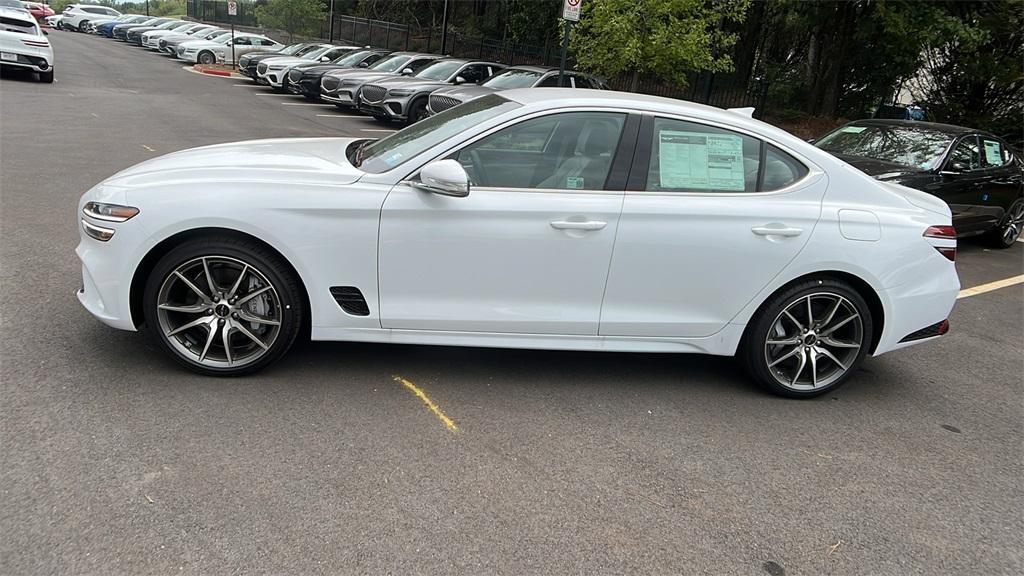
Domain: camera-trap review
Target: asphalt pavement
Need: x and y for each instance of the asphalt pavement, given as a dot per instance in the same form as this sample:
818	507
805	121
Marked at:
116	461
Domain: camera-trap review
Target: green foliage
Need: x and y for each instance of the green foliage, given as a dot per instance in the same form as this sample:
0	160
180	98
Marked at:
301	17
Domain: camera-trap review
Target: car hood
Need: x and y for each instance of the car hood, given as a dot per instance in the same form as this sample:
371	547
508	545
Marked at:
286	61
152	33
289	161
410	82
140	29
464	92
320	67
360	74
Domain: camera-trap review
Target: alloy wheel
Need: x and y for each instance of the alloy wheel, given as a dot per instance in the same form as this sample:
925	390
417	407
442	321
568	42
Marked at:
1014	223
814	341
219	312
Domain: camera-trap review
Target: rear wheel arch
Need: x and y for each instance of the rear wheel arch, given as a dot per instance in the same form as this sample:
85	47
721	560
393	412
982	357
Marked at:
862	287
146	265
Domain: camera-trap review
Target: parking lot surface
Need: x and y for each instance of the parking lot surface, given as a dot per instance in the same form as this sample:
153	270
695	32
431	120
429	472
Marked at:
339	459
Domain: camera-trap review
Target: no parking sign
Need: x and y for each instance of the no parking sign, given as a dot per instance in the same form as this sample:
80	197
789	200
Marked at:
232	8
571	10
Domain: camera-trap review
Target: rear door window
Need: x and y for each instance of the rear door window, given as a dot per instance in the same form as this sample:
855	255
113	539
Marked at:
995	154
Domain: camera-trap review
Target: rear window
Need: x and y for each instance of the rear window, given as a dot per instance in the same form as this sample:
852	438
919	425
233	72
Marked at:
17	25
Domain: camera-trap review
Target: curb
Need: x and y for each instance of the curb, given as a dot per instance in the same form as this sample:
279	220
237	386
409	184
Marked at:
211	71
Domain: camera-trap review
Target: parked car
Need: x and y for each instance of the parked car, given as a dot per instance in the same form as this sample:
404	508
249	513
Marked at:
23	44
151	39
272	71
39	11
107	28
304	79
247	64
15	5
737	271
515	77
55	21
169	44
219	50
120	31
134	35
404	99
976	173
90	26
340	87
77	16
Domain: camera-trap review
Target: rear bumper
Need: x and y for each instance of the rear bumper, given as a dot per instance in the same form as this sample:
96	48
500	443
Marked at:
30	59
913	308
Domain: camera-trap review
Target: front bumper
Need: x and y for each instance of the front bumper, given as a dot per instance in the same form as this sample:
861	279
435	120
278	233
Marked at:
342	97
390	108
107	270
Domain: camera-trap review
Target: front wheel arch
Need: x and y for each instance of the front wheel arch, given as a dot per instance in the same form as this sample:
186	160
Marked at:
145	267
862	288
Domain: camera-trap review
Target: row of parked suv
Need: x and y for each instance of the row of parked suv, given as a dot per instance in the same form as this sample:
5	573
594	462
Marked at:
391	86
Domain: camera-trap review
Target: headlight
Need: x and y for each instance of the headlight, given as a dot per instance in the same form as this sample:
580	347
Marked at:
98	232
109	212
275	66
400	92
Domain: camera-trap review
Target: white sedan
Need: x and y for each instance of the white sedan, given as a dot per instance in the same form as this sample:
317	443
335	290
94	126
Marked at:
540	218
219	51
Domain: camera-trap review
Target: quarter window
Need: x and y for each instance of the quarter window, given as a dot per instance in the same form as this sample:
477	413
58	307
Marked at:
780	170
570	151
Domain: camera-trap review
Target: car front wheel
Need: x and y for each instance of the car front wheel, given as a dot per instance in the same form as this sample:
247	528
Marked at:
809	339
223	306
206	58
1009	230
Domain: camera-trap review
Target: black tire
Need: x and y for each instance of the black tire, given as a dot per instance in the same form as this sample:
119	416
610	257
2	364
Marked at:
206	58
267	267
1009	229
756	353
311	97
46	77
81	25
417	110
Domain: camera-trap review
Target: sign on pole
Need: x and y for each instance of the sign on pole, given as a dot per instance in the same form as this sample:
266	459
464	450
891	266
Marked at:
233	8
571	10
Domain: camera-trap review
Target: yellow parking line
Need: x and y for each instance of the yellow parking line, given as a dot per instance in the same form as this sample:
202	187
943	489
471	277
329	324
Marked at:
430	403
990	286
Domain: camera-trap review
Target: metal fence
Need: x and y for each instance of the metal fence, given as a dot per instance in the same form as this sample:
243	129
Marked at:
722	90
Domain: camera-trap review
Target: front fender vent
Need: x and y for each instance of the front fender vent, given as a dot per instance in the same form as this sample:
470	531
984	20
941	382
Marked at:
351	300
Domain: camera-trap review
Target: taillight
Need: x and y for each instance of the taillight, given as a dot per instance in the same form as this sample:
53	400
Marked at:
943	233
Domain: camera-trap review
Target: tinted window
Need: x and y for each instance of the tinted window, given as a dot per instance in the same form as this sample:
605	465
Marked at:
474	73
995	155
903	145
965	156
418	63
549	82
688	157
16	25
242	41
571	151
439	71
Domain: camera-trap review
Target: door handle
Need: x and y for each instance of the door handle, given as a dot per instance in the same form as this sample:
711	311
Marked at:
777	231
572	225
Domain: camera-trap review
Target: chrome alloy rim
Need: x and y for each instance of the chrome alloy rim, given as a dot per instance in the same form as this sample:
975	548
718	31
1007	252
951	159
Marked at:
219	311
814	341
1014	223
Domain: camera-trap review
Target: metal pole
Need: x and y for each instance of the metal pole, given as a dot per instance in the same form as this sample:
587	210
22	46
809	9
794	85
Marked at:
330	35
565	48
444	28
233	40
147	7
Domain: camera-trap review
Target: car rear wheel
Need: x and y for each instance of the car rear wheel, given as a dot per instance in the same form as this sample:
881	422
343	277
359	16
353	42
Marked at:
1009	230
81	25
206	58
809	339
46	77
223	306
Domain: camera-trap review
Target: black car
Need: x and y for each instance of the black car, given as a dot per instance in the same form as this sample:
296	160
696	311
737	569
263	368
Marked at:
976	173
304	79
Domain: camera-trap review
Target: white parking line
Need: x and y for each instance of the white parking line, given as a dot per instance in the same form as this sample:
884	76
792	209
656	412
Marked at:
333	116
304	104
990	287
274	94
249	85
375	130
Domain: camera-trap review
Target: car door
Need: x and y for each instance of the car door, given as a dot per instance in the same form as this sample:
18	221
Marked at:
710	217
527	251
963	187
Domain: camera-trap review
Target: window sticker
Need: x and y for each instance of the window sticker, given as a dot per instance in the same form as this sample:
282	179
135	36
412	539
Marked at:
574	183
992	153
852	129
700	161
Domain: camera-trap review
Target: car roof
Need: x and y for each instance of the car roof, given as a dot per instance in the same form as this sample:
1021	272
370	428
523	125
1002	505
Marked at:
931	126
469	61
17	13
416	54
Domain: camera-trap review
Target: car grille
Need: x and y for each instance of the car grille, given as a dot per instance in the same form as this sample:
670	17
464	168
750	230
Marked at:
294	76
373	94
440	103
329	84
262	68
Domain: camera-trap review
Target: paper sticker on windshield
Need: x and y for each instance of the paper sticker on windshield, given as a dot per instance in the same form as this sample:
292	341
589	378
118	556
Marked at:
574	183
852	129
700	161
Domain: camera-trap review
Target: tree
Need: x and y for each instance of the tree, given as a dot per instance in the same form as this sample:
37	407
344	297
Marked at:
301	17
665	38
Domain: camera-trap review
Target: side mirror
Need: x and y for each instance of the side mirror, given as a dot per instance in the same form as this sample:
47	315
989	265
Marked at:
325	58
446	177
460	80
407	72
362	65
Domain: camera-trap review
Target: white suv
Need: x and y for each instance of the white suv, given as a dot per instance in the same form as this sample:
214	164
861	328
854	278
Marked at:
76	16
23	45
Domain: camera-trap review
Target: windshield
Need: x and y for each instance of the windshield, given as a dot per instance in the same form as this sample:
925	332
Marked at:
439	70
224	39
216	34
290	49
391	64
317	53
12	3
908	146
353	58
512	79
385	154
169	25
